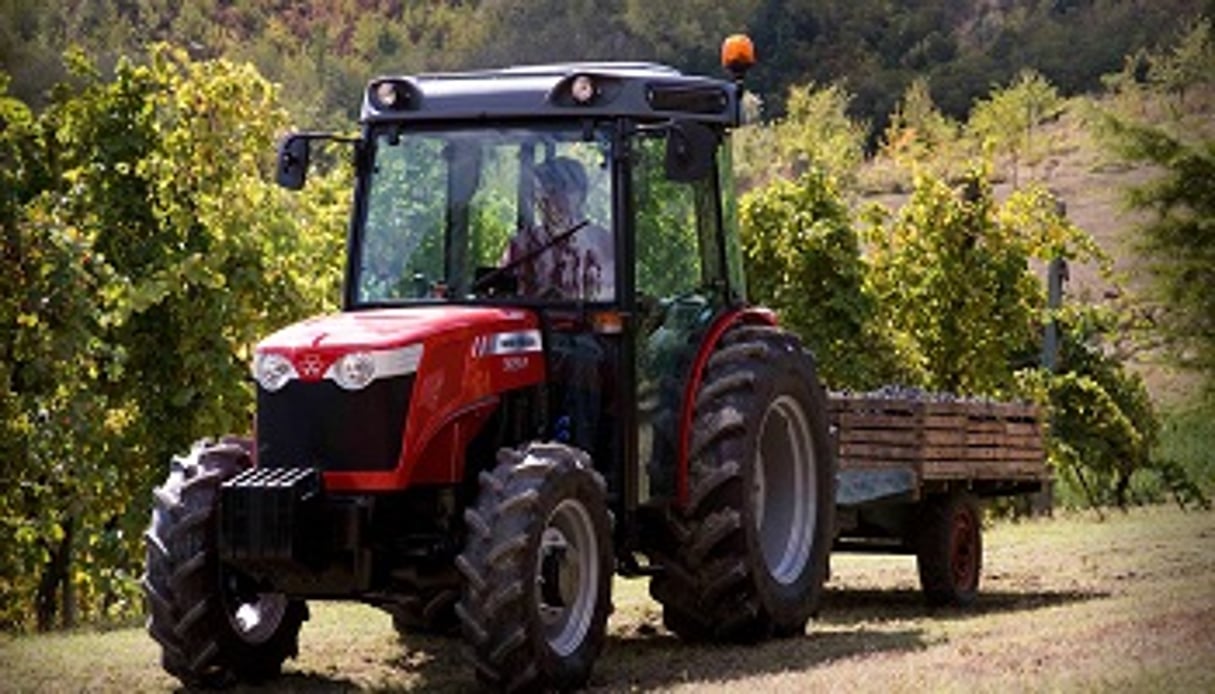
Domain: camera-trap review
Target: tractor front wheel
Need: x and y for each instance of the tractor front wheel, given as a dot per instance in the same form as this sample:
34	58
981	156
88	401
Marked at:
537	570
213	626
426	602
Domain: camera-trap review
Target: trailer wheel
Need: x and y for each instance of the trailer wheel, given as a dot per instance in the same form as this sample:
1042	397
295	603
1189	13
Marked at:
949	549
537	570
748	556
213	626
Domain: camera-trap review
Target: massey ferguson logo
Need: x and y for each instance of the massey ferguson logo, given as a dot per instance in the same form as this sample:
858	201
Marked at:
310	366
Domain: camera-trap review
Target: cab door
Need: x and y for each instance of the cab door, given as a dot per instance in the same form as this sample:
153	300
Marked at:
682	278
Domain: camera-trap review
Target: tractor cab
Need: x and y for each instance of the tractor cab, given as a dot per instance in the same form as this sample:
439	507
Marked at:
595	197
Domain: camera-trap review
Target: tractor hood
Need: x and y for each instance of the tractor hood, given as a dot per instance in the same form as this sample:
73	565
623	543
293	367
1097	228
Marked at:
347	347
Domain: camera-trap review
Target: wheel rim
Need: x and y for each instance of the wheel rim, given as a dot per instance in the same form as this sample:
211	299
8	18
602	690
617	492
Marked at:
785	489
567	576
965	552
256	620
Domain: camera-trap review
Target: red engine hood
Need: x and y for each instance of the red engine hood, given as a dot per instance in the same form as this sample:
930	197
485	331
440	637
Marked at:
463	357
342	333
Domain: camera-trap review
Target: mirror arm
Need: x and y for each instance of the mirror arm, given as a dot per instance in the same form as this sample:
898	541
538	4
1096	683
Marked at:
315	135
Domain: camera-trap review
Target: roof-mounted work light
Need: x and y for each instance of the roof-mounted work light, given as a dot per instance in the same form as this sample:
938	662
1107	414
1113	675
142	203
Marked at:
394	95
582	89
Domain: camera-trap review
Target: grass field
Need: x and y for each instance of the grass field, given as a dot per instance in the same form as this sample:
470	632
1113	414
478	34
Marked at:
1071	603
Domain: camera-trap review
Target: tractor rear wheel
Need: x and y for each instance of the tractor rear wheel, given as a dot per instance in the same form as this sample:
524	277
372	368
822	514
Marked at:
213	626
748	554
949	549
537	570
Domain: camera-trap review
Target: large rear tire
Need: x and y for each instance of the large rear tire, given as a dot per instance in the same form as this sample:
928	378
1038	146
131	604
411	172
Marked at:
748	555
537	570
949	549
213	626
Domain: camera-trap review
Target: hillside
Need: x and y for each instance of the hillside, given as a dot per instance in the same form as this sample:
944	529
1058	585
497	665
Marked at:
1094	186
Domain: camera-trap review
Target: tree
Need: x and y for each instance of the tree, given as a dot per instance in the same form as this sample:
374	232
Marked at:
146	251
1178	238
956	295
918	138
815	133
1007	122
1102	422
1189	64
918	130
953	287
803	259
55	410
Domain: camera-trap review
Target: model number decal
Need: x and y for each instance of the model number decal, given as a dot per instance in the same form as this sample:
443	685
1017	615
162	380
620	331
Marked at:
513	364
502	344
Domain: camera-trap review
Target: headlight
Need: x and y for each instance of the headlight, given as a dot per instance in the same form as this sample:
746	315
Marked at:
272	371
353	371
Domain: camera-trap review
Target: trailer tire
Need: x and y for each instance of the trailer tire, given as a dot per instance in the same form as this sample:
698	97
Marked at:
747	558
537	570
212	626
949	549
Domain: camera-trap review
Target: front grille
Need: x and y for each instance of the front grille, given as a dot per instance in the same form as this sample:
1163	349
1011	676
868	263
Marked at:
322	425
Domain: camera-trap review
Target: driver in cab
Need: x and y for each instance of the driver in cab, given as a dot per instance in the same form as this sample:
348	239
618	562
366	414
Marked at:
571	257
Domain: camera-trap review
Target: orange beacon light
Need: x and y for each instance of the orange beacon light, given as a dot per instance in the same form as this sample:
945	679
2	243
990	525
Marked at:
737	54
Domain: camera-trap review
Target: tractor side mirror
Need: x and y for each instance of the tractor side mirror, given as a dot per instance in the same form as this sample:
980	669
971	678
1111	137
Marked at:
292	169
690	150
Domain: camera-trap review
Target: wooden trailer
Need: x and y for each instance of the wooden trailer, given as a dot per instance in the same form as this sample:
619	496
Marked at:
912	470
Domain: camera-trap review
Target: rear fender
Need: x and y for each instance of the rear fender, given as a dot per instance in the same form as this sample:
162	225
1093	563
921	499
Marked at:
746	316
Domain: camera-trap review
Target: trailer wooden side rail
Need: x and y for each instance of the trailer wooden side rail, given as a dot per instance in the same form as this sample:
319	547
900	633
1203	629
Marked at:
991	448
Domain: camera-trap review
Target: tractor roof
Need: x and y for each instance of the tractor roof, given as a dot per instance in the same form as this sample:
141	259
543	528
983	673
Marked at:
646	91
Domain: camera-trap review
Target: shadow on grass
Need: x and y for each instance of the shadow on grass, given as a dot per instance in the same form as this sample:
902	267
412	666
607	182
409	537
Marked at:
647	657
640	655
425	663
434	663
846	606
652	658
290	682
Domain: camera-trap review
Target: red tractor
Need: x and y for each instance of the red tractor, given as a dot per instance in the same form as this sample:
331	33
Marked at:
545	373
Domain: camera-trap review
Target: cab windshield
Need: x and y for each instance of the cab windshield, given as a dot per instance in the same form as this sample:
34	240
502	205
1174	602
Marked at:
451	215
